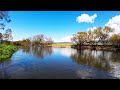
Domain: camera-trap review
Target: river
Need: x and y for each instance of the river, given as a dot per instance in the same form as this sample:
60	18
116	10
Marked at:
61	63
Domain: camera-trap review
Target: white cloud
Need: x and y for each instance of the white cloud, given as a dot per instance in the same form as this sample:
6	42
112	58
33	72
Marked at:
114	22
86	18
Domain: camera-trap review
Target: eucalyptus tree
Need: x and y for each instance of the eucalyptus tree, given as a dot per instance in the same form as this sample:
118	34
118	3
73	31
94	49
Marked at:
80	38
115	39
90	37
102	34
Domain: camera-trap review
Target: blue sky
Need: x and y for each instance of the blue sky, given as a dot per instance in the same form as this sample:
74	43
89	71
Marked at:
59	25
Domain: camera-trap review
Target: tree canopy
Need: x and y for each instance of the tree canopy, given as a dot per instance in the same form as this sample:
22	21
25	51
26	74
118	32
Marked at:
100	34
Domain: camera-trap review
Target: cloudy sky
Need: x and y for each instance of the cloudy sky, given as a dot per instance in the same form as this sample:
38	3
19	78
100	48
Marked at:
60	25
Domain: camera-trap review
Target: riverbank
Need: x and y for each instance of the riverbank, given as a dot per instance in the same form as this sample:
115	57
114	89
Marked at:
6	51
91	47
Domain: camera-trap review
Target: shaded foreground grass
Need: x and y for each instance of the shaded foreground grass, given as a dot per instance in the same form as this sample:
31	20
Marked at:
6	51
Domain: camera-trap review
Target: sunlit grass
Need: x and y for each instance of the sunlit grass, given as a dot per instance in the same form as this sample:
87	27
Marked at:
62	45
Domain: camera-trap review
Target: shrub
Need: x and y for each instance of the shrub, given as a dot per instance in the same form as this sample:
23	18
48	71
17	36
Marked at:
6	51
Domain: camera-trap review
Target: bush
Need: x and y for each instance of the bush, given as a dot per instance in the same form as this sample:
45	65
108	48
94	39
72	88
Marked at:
6	51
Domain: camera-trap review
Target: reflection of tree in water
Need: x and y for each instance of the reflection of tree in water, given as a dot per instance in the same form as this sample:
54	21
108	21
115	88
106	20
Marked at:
39	52
4	74
4	60
25	49
115	57
86	57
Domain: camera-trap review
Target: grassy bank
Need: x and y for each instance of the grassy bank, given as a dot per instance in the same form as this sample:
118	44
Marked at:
62	45
6	51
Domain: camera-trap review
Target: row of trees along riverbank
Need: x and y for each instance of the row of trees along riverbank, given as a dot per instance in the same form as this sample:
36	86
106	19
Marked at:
102	38
37	40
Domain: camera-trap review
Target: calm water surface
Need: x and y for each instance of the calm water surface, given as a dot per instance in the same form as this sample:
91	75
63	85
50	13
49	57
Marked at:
60	63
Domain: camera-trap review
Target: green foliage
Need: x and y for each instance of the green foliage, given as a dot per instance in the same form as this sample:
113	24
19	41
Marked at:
22	43
6	51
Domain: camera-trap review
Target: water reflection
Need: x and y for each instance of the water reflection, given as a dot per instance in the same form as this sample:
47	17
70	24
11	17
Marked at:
67	51
61	63
88	58
115	57
3	66
101	60
39	52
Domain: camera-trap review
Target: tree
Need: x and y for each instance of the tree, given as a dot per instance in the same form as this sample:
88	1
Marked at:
74	39
38	39
90	37
79	38
106	31
7	36
4	17
48	41
115	39
102	34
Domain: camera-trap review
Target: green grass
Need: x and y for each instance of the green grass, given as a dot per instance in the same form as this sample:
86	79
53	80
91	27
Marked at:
62	45
6	51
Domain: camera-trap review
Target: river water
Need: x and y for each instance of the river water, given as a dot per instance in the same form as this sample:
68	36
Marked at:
60	63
